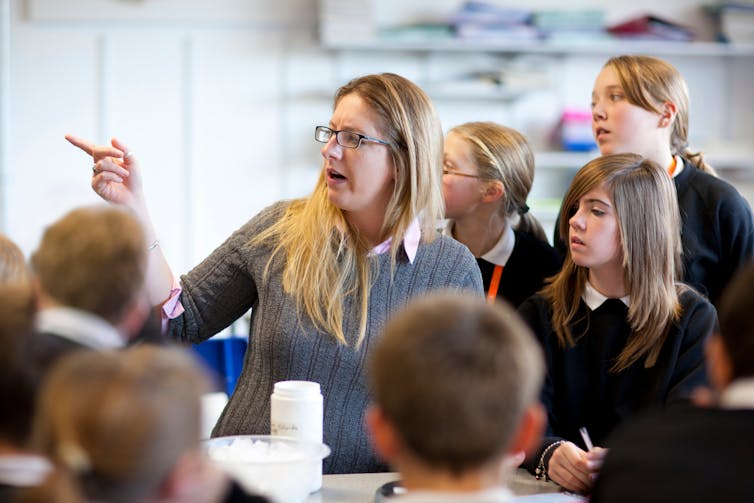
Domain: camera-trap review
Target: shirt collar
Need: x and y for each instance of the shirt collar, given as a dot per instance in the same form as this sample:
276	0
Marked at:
84	328
498	254
410	242
491	495
739	394
501	252
594	299
23	470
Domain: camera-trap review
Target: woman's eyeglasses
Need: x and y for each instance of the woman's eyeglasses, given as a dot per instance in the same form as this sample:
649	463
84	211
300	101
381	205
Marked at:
347	139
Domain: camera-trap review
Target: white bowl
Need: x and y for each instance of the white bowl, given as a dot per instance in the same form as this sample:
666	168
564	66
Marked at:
277	467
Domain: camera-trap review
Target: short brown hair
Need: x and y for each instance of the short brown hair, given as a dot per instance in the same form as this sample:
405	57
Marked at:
454	376
93	259
115	423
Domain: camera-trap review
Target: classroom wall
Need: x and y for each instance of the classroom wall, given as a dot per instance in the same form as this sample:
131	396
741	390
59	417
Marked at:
219	99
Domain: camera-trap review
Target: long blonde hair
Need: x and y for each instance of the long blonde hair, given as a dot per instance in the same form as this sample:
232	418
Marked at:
648	82
503	154
326	259
649	225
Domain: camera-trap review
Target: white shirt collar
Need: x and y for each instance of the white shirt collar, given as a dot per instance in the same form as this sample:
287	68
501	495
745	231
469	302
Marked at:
594	299
501	252
84	328
739	394
495	495
23	470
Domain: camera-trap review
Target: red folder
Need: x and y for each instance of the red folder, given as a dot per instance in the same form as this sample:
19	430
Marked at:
650	27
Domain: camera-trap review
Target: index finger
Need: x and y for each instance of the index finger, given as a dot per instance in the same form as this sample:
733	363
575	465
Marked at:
80	143
89	147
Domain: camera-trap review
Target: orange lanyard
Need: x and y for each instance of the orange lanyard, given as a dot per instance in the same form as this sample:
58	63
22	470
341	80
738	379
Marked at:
671	170
494	284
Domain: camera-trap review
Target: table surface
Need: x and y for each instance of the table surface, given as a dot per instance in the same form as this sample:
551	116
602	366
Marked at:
361	487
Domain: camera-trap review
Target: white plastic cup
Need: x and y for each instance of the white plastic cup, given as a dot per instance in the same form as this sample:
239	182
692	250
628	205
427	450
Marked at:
296	412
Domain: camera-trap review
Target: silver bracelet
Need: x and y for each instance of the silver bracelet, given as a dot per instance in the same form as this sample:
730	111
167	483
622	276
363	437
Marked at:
541	472
154	244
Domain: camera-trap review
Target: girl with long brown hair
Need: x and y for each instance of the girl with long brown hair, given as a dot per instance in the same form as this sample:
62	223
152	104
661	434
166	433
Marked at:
620	332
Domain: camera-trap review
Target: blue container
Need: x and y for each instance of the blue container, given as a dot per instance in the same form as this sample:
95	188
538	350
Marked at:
224	356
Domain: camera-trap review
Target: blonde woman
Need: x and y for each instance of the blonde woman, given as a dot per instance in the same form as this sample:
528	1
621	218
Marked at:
620	333
123	427
324	273
640	105
488	170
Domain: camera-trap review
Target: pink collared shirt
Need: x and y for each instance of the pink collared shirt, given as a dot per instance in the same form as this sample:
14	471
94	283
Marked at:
172	308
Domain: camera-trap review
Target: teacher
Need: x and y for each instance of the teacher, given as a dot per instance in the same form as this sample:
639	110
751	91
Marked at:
321	274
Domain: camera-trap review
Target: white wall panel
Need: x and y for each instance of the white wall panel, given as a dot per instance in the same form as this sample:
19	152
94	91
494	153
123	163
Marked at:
54	78
237	142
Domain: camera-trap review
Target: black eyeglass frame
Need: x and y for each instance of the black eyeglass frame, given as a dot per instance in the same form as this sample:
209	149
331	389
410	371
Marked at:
330	132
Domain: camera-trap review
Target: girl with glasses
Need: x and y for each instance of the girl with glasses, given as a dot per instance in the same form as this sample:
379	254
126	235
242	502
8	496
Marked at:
322	273
488	173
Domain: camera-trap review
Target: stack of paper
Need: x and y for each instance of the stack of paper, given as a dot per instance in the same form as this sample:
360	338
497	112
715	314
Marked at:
570	24
483	20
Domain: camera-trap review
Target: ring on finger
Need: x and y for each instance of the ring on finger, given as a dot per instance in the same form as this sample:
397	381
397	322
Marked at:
128	154
94	170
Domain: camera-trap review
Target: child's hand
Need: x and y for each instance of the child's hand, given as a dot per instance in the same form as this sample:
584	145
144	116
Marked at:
570	467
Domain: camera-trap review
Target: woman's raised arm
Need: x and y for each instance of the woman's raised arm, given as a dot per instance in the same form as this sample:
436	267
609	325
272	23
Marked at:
116	178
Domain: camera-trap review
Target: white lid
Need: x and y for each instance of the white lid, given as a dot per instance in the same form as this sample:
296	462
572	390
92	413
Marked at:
297	389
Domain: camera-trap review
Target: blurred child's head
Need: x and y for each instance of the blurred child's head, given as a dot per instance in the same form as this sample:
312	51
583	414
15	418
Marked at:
452	378
93	259
501	164
117	423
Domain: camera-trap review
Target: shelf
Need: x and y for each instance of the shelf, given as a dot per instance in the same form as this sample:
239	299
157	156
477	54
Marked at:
601	47
719	159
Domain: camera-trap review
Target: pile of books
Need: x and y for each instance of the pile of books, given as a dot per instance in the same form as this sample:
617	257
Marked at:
482	20
734	21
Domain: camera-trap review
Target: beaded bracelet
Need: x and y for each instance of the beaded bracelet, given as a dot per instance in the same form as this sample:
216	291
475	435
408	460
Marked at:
541	472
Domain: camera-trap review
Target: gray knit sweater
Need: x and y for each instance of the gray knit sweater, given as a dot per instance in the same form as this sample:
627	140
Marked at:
229	282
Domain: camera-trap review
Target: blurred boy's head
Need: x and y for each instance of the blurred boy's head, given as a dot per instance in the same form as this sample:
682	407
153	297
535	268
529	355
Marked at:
730	353
93	259
455	383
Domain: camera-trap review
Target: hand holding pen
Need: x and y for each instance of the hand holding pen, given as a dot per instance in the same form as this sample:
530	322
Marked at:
573	468
594	455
